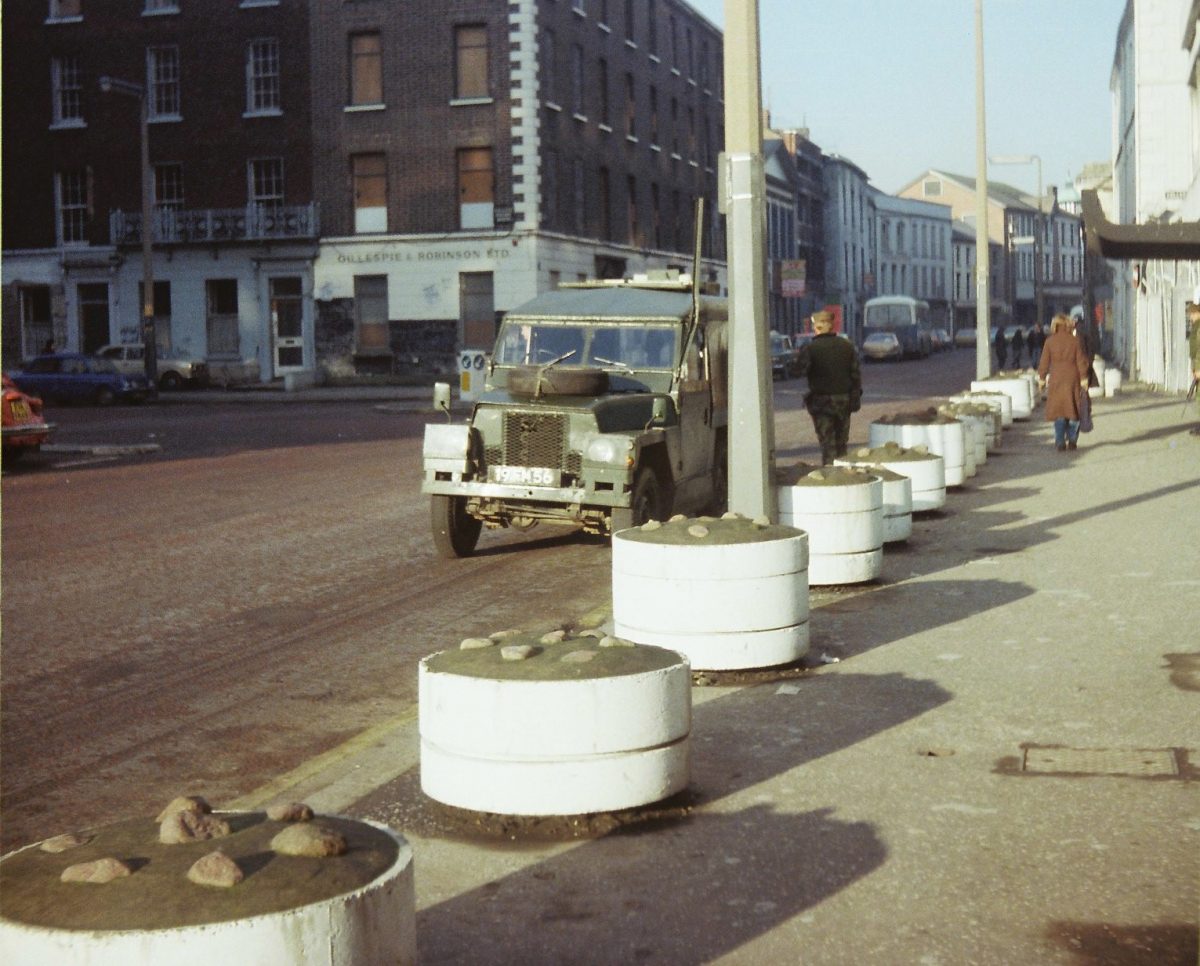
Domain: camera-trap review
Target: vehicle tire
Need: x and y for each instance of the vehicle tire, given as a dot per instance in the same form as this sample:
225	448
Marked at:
104	396
170	381
455	532
646	500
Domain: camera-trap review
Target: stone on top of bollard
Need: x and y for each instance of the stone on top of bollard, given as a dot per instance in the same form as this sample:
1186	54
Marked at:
707	531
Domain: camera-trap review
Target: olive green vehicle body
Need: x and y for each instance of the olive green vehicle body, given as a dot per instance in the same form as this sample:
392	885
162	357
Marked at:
605	404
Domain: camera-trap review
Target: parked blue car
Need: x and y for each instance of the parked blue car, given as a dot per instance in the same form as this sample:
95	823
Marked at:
74	377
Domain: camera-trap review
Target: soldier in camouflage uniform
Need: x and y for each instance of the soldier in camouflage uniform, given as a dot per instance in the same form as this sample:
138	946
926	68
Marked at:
834	385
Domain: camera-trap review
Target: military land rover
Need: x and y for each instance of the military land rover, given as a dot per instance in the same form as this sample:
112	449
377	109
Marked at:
604	406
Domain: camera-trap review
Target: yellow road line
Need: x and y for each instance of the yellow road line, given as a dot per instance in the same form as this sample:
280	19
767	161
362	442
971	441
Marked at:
362	740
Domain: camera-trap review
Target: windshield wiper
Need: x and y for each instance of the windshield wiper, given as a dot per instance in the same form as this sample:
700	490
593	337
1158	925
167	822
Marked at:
613	362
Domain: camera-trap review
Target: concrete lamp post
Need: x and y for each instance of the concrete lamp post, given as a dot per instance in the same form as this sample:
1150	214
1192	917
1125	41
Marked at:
1039	227
112	85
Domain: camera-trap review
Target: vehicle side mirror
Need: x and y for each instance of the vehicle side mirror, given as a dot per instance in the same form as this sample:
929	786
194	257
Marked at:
441	398
658	411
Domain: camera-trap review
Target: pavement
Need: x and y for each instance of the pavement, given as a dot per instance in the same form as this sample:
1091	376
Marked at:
991	755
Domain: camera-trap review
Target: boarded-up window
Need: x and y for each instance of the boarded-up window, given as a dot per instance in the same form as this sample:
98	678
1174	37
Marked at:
222	321
477	309
366	69
369	173
371	313
476	188
471	61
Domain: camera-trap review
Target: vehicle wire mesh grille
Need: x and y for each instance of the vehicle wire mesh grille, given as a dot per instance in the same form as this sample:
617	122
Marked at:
534	439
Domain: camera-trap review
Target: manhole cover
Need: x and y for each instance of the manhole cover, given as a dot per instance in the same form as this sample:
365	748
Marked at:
1101	761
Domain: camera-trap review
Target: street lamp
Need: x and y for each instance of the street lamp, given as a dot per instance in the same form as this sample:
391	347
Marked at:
1038	240
113	85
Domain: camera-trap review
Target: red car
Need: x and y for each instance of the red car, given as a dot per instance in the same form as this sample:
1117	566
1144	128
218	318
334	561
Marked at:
24	428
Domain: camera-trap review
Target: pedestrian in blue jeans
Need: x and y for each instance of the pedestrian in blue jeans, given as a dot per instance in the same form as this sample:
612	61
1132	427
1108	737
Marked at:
1063	371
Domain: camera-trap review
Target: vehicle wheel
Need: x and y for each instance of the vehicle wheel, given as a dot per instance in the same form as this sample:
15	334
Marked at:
170	381
104	396
455	532
646	501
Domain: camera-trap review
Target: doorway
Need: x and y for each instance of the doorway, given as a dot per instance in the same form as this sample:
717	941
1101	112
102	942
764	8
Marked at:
93	316
287	323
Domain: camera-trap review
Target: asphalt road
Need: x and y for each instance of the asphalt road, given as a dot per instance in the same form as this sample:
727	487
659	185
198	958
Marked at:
201	618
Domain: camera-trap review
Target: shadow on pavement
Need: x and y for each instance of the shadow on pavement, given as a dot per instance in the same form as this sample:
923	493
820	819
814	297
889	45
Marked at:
687	894
863	622
1097	943
685	886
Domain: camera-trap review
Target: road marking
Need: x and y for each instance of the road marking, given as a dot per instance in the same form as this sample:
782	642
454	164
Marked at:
326	761
91	462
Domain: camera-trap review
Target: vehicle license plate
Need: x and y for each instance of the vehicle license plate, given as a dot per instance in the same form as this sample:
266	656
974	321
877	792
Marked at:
19	409
531	475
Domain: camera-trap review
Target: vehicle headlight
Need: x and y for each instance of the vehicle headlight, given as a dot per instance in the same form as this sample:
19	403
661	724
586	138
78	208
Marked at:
614	450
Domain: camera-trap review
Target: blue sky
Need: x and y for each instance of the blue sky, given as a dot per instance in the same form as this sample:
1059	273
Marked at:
890	84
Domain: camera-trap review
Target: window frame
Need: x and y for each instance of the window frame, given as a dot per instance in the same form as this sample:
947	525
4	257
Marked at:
163	200
357	58
64	11
163	93
476	186
78	209
259	166
466	67
361	183
66	84
266	82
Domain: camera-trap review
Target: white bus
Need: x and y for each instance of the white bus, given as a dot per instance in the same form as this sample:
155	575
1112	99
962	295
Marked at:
907	317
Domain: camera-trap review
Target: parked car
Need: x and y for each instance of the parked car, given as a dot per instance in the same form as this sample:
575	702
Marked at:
882	345
801	339
940	339
24	428
74	377
965	337
173	373
783	356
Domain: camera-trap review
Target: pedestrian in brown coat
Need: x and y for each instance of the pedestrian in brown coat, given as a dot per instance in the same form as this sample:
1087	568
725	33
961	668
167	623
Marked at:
1063	370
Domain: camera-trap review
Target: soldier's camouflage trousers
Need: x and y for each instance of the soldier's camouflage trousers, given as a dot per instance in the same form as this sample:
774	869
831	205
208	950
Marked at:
831	419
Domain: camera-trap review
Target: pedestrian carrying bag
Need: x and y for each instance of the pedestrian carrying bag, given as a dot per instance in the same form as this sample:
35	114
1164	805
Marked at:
1085	411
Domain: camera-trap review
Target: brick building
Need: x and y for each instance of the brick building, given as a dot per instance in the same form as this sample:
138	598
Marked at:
234	227
472	153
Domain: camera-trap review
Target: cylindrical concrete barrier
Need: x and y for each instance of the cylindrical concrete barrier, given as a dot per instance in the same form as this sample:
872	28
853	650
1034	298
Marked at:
538	726
1112	381
941	434
926	470
841	509
728	593
1015	385
292	910
979	422
1101	369
1000	401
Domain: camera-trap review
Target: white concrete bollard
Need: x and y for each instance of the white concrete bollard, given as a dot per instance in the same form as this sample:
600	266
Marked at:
736	597
841	509
1001	402
354	908
1101	369
924	469
558	728
1017	387
1112	381
943	435
979	422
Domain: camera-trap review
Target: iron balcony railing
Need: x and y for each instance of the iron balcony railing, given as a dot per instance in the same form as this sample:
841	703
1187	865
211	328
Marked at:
252	223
